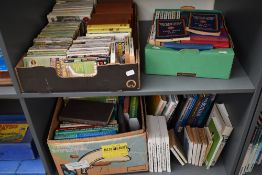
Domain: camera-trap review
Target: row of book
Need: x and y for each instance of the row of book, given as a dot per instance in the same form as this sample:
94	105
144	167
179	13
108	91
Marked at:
201	146
115	18
97	116
254	152
182	110
183	29
62	44
4	74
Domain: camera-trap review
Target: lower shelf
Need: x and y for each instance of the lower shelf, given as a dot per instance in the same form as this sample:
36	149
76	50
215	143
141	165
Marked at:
177	169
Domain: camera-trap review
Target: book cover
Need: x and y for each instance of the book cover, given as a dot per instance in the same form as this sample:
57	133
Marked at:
200	110
89	112
204	23
189	144
202	119
171	30
189	110
217	139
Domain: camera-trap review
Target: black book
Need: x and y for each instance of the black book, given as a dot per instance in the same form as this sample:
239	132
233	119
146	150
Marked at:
88	112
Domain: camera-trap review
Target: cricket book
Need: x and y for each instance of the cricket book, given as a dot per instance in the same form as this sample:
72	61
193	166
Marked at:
204	23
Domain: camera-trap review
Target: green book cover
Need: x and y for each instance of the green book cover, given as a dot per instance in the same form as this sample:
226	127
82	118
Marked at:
217	139
133	107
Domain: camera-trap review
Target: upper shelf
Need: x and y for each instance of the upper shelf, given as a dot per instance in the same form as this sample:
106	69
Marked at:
7	92
155	84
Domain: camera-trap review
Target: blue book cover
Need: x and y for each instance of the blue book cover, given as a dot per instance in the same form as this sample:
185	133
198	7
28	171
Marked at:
207	22
180	46
84	135
200	111
188	112
204	116
3	66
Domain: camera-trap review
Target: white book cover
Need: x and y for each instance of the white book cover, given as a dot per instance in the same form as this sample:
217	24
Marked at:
188	144
228	128
167	146
177	156
170	106
150	141
158	143
163	144
154	144
198	145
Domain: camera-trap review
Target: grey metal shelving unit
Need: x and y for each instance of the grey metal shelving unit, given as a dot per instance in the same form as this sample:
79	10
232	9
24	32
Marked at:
20	21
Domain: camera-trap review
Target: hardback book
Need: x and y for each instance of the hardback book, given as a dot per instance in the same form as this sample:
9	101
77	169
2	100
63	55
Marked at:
176	147
203	138
204	23
220	114
189	45
165	144
171	30
188	144
150	143
203	45
89	112
170	106
156	104
198	144
133	113
158	143
217	140
195	110
209	142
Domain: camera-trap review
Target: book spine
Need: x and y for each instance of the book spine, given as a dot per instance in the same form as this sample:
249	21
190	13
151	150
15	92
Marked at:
133	108
181	116
110	30
188	112
64	131
203	117
107	26
200	111
83	135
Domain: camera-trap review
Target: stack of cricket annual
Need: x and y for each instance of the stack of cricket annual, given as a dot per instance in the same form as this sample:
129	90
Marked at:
202	125
81	36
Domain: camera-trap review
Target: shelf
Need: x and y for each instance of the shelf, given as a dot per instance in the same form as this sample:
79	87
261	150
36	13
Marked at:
177	169
257	170
155	84
7	92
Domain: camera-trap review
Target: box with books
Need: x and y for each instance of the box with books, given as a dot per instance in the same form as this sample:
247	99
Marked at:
94	136
84	49
189	43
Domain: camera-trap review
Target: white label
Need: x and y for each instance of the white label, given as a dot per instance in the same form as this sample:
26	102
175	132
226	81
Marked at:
155	47
130	72
224	52
77	165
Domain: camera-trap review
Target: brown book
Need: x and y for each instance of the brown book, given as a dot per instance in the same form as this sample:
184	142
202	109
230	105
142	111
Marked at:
88	112
195	109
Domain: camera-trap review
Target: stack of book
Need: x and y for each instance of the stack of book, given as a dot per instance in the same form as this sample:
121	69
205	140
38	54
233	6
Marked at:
4	74
182	110
115	18
68	10
50	46
158	144
180	29
254	152
82	118
204	145
97	116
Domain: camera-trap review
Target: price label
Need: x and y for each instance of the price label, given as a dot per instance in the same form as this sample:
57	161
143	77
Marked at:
115	150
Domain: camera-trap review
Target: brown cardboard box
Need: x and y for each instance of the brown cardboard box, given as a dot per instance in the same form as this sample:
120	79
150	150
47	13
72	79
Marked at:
91	152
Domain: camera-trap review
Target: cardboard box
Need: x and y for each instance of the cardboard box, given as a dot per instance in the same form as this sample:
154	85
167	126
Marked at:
24	150
110	77
120	153
214	63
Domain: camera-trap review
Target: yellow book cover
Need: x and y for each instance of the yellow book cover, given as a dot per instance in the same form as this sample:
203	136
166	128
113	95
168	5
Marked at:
109	30
12	132
106	26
